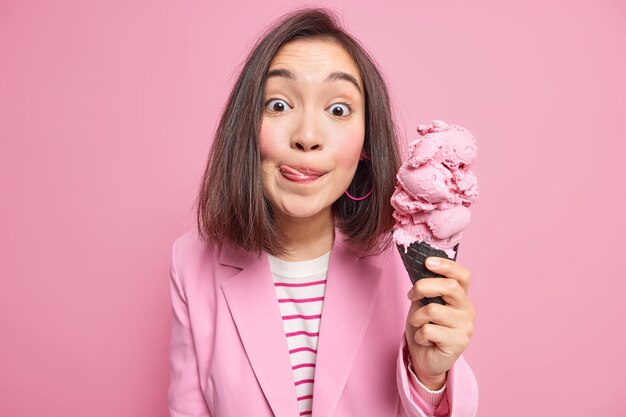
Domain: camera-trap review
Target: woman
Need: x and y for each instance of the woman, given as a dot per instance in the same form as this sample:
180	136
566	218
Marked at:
288	299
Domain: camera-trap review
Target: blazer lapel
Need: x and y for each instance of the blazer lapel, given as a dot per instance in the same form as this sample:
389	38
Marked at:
351	289
251	298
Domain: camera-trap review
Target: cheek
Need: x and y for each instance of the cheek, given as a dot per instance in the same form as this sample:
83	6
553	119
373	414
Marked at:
351	148
268	138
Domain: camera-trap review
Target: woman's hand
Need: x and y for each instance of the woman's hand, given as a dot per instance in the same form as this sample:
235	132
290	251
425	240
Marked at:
434	347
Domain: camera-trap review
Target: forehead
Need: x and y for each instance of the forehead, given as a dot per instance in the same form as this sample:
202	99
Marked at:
315	56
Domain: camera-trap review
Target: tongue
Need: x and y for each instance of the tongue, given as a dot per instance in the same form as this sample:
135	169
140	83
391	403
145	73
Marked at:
293	171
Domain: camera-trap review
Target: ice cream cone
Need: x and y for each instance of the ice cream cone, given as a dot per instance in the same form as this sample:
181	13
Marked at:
414	259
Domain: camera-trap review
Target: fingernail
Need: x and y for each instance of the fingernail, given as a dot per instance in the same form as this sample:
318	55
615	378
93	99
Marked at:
432	262
410	294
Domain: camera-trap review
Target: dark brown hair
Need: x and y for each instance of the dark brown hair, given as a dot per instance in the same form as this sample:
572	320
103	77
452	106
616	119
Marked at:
232	207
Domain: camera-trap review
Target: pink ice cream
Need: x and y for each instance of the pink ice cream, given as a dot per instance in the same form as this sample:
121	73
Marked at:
436	187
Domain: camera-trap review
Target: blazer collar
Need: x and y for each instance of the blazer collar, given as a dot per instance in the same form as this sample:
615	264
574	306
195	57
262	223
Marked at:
239	258
351	288
252	302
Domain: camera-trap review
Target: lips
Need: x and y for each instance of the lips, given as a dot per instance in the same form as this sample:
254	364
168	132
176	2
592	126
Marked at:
300	174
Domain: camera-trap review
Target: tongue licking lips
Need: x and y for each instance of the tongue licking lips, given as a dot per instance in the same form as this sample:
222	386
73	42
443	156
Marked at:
299	174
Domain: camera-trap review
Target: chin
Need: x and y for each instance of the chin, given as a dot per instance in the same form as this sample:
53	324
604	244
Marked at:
303	213
301	209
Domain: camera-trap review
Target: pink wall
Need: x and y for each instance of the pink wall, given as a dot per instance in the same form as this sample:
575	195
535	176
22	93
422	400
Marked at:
106	114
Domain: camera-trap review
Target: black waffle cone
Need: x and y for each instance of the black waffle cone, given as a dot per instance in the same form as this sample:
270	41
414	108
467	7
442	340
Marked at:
414	259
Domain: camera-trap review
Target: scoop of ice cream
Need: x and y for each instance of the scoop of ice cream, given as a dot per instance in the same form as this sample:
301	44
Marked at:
435	187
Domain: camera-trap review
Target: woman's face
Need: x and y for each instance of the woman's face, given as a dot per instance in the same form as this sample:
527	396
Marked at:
312	129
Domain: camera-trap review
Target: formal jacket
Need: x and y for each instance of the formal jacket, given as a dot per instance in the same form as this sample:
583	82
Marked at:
229	354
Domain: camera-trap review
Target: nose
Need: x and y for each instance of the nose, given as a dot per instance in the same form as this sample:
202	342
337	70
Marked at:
308	135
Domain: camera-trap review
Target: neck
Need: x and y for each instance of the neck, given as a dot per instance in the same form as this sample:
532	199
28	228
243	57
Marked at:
308	238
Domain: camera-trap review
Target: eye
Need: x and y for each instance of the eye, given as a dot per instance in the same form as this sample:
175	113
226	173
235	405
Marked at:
340	110
277	105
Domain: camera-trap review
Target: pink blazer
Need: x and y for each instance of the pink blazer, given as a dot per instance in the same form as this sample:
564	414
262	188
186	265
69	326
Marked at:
229	355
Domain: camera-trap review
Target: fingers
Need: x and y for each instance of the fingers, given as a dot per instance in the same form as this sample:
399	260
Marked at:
448	340
448	327
450	269
437	314
449	289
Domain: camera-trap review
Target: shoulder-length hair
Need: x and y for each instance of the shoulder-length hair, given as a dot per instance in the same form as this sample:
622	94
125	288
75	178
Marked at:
231	206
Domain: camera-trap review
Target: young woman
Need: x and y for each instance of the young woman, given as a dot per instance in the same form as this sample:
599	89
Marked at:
288	299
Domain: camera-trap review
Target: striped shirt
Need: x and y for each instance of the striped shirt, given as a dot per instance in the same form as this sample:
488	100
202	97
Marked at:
300	290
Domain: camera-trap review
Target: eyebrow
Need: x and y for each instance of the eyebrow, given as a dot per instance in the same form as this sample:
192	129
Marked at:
333	76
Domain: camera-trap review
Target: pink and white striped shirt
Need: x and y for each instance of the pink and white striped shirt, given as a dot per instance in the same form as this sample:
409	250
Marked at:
300	291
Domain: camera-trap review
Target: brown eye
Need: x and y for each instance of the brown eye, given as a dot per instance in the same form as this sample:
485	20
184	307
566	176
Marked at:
340	110
277	105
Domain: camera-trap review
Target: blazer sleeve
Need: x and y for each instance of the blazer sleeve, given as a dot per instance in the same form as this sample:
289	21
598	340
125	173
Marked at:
460	398
185	397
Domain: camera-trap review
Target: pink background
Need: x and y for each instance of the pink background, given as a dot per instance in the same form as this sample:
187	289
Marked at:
106	115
